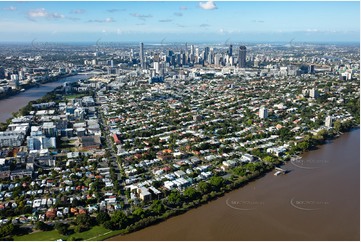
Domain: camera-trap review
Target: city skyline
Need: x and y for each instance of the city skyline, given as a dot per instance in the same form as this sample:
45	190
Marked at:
164	22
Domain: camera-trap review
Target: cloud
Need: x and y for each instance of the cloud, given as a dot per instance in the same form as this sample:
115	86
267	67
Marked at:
73	19
208	5
77	11
141	16
224	31
37	13
42	13
107	20
183	8
165	20
11	8
180	26
113	10
204	25
257	21
312	30
178	14
55	15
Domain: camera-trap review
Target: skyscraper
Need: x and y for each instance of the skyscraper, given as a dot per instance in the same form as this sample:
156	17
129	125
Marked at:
230	50
206	52
141	55
192	50
242	56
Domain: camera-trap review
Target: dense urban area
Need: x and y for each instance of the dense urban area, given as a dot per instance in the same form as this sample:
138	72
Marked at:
157	129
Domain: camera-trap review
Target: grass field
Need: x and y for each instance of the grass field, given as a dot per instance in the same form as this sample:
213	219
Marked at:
46	235
75	96
94	234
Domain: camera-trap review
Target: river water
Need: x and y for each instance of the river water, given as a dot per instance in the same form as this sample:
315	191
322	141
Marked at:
14	103
319	199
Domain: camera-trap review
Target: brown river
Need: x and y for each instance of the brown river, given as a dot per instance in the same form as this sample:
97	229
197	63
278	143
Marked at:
319	199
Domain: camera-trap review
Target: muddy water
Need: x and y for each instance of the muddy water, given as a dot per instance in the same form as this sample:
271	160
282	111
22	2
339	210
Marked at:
318	200
14	103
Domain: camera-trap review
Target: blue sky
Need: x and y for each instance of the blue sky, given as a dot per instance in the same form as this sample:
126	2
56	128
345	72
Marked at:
180	21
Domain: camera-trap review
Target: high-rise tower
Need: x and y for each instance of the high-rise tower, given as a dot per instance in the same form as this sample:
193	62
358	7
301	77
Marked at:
141	55
230	50
242	56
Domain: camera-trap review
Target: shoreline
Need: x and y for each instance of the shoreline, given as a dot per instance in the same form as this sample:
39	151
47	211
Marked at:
253	178
111	234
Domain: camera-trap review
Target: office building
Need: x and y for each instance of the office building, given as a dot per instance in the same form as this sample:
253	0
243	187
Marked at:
230	50
206	53
242	57
141	55
192	50
217	59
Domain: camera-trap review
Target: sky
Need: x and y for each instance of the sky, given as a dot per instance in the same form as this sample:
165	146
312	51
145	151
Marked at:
192	21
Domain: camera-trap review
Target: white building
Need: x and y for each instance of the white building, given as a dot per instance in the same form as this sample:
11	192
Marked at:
328	122
314	93
263	112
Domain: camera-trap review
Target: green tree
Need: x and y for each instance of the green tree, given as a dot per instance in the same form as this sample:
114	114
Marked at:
139	213
7	230
174	199
304	145
42	226
102	217
337	126
84	220
62	228
216	181
269	159
157	207
110	225
120	220
191	193
204	187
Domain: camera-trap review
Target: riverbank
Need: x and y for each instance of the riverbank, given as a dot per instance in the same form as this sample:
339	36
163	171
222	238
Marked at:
228	189
309	203
268	204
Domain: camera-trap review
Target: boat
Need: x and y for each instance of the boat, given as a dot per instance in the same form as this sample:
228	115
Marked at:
22	90
278	173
